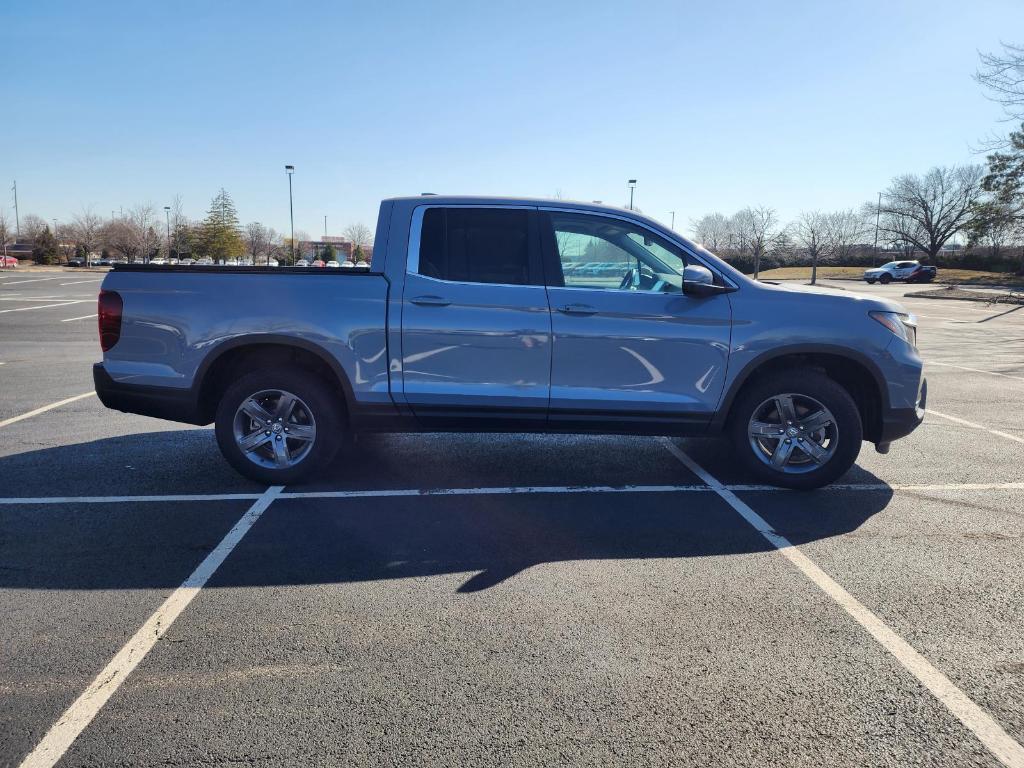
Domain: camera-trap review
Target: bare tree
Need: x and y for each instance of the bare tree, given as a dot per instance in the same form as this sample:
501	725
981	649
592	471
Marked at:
812	232
257	240
1002	76
85	231
757	232
846	230
6	234
712	231
32	225
925	211
358	234
135	234
64	234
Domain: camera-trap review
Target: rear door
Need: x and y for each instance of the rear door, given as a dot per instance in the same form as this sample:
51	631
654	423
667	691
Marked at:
630	347
476	329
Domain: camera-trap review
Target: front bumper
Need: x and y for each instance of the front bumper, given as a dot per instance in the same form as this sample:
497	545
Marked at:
900	422
158	402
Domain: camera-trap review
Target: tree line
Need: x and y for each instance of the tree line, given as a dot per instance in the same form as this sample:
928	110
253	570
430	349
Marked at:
141	234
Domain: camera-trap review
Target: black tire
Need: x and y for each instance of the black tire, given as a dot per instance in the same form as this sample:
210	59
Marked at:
809	383
885	279
324	407
871	281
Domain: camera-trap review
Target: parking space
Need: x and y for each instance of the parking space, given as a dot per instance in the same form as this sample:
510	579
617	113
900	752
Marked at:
482	600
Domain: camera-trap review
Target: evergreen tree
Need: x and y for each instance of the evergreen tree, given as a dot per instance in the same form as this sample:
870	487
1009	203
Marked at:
221	238
44	247
330	254
357	255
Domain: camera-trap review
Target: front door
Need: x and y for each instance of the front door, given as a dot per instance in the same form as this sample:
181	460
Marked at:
629	346
476	330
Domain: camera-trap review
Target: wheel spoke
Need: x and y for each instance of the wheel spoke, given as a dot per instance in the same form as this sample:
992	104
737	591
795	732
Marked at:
782	453
281	455
301	432
815	421
764	429
813	450
285	405
784	404
256	411
253	441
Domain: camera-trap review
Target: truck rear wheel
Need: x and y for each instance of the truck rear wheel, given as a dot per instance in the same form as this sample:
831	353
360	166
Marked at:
278	426
796	429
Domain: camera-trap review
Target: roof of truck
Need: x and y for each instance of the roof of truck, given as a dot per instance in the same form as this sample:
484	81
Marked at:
493	200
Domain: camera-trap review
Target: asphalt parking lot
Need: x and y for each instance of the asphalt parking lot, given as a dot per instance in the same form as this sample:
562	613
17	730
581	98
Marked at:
481	600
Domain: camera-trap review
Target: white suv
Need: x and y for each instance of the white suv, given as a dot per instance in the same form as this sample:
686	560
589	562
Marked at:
894	270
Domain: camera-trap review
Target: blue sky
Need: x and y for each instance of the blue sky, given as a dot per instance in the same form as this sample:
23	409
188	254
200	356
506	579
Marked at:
711	106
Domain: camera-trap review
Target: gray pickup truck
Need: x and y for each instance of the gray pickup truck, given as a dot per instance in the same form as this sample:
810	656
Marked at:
511	315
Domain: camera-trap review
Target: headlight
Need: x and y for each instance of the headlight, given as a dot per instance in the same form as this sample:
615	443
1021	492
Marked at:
900	323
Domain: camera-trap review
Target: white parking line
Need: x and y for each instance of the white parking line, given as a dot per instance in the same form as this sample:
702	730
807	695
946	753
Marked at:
79	282
974	425
44	306
44	409
1005	749
507	491
83	317
75	719
975	370
33	280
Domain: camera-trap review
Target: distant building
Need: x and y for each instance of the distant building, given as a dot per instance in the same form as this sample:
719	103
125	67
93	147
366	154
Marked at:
343	249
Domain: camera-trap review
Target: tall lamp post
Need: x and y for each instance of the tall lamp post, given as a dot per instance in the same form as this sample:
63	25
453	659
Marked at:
17	221
878	213
673	224
290	169
632	186
167	215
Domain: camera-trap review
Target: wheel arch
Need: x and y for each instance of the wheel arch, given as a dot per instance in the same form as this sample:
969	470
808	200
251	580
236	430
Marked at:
853	370
231	358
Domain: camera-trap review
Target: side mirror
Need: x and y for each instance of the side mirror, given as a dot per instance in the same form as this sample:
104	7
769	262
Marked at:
700	281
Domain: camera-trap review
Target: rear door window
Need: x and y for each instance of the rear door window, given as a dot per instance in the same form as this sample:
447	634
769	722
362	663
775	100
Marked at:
479	245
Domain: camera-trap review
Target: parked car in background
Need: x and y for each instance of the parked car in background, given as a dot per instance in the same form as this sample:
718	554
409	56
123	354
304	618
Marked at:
8	262
76	263
317	263
347	263
302	263
205	261
272	262
924	273
466	321
900	270
333	263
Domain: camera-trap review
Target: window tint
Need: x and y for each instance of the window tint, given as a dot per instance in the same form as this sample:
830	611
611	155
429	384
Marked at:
476	245
597	252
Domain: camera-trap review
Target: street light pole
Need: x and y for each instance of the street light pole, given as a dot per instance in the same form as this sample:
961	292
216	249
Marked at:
17	224
167	215
325	227
673	224
290	169
632	186
878	211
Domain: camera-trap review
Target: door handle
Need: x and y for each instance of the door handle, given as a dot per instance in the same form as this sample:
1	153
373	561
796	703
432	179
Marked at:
431	301
578	309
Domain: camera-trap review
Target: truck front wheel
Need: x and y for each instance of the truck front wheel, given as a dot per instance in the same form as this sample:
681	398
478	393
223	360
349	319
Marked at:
796	429
279	425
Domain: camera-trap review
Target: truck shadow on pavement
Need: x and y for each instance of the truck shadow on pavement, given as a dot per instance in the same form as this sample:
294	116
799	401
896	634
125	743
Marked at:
359	539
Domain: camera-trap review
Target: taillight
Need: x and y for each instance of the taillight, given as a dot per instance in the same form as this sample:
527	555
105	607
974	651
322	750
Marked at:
110	306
